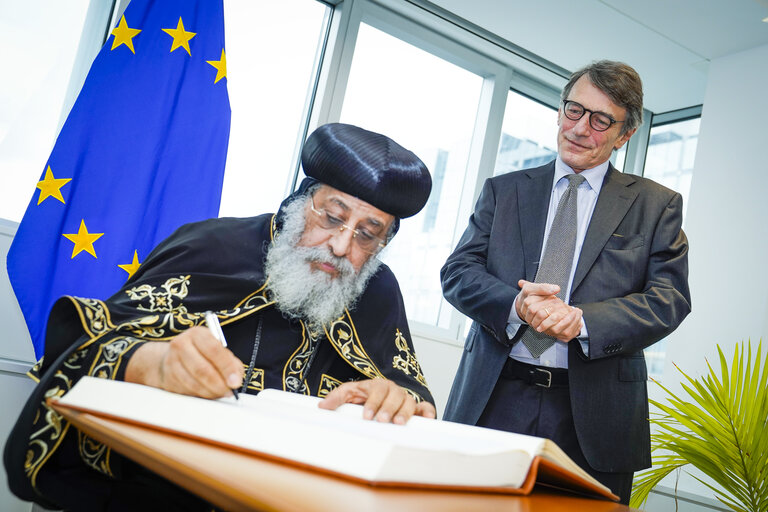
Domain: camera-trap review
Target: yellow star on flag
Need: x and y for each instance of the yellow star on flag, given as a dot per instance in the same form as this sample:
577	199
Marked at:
132	267
180	36
51	187
83	240
124	35
220	65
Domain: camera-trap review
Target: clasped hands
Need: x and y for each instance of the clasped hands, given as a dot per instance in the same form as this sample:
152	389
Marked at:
539	307
195	363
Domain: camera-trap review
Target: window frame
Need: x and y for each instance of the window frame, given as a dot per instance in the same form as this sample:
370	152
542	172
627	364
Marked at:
654	121
503	66
436	31
99	19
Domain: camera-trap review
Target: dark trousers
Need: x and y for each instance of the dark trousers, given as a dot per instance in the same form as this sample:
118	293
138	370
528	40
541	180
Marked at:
527	408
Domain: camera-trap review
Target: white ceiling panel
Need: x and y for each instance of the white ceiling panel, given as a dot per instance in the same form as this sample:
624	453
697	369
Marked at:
710	28
669	42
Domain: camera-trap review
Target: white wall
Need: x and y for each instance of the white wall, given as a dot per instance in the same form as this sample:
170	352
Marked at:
15	343
439	361
16	356
727	215
726	222
726	227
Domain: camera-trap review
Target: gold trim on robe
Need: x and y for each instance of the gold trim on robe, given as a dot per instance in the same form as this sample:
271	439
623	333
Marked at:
343	336
327	384
173	318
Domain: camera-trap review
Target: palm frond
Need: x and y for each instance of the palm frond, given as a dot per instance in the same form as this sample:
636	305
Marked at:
649	479
718	426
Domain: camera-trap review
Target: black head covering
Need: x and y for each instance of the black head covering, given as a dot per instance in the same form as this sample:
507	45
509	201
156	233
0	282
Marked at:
369	166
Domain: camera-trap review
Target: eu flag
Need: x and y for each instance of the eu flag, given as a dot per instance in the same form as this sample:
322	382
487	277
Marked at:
142	152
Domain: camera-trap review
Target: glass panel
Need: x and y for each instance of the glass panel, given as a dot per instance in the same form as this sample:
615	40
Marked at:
671	150
272	48
38	48
528	135
429	106
267	90
669	161
655	355
619	157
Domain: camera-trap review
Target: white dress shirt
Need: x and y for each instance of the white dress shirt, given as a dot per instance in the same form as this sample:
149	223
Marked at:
557	355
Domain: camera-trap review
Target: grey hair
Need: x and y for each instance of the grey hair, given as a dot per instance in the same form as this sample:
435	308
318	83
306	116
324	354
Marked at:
620	82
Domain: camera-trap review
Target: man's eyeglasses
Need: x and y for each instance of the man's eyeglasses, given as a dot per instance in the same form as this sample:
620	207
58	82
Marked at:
365	240
599	121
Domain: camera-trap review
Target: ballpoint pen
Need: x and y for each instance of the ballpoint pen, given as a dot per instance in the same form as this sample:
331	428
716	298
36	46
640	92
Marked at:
212	321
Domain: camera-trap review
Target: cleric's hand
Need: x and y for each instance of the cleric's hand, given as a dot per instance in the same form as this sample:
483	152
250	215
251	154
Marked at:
538	305
193	363
383	401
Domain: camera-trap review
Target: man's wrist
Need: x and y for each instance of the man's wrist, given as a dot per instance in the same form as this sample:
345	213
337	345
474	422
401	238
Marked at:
583	338
513	321
583	333
145	364
513	317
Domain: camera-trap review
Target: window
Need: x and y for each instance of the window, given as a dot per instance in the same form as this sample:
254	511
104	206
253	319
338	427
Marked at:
619	157
272	49
39	49
268	91
671	151
669	161
528	135
428	106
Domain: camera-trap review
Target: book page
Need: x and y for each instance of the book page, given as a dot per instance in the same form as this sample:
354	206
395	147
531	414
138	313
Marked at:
229	422
437	434
293	427
418	433
554	453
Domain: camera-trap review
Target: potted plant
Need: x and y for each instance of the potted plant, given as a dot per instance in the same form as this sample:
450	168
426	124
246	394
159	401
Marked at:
720	426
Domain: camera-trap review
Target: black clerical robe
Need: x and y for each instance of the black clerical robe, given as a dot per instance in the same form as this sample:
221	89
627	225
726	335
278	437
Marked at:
215	265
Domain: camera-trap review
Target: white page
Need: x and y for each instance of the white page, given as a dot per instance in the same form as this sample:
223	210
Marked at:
420	432
293	427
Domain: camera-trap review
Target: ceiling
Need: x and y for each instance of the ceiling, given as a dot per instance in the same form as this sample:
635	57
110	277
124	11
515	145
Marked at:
669	42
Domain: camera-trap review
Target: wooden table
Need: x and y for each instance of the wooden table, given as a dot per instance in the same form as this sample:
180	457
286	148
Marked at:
237	481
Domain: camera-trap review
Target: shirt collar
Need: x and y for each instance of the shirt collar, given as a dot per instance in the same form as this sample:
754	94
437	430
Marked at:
594	175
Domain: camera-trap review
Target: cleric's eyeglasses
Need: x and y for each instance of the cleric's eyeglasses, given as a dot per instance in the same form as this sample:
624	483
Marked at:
599	121
365	240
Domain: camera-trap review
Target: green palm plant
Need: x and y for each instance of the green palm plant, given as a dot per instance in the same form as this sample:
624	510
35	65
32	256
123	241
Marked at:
721	428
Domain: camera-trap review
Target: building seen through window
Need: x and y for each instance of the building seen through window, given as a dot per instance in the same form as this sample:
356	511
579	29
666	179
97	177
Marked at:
427	105
670	156
528	135
669	161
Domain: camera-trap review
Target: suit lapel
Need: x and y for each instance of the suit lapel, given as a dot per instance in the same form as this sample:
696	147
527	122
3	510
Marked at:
612	205
533	203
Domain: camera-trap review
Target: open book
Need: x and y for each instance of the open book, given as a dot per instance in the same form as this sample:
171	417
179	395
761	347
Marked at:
292	428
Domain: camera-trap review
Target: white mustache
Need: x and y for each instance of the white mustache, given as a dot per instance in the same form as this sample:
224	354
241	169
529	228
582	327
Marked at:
301	292
324	255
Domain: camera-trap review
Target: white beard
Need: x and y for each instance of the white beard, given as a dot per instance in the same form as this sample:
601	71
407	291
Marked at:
305	294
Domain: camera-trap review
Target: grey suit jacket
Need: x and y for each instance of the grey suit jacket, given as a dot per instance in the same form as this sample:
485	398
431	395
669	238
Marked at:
631	281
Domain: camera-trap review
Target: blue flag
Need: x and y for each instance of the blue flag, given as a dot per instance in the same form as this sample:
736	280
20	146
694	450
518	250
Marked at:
141	153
